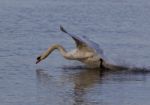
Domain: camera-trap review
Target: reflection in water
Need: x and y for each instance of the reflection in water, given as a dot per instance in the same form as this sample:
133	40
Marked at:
48	87
73	87
43	79
82	82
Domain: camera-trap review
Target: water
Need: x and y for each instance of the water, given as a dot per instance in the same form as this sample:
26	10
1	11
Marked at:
28	27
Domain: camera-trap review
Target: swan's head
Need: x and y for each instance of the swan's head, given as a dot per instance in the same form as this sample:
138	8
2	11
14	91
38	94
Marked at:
40	58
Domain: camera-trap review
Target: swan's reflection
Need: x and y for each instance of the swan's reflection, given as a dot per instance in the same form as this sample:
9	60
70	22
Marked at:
83	81
74	84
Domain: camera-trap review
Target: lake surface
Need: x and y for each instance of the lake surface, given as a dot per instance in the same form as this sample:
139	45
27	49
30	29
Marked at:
29	27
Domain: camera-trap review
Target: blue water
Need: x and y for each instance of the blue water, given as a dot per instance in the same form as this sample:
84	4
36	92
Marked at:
29	27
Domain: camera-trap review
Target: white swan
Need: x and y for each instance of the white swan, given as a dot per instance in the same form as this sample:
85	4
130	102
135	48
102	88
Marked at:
87	52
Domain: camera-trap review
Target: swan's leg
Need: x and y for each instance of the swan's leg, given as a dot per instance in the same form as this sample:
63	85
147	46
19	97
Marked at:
102	67
101	63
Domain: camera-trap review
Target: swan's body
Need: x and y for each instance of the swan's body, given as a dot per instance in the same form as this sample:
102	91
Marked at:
87	52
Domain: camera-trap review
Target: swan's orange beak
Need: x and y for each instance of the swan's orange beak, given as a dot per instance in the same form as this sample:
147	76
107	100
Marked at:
37	61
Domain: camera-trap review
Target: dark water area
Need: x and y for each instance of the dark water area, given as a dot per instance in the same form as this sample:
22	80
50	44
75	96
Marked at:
29	27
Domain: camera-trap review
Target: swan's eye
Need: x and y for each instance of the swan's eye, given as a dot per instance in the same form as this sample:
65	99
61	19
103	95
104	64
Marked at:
38	58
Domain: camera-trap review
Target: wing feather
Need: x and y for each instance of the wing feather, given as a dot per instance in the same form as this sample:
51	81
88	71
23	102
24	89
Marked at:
79	42
84	43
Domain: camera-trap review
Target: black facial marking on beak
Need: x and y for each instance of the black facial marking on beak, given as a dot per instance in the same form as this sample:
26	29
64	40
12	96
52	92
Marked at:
38	59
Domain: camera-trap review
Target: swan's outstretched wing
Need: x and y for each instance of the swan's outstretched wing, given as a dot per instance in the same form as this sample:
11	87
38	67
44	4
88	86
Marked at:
93	45
79	42
84	42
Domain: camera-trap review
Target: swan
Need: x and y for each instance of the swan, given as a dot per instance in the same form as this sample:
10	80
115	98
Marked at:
87	52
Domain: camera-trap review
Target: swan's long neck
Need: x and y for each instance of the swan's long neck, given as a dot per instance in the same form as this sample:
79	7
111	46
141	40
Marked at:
52	48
